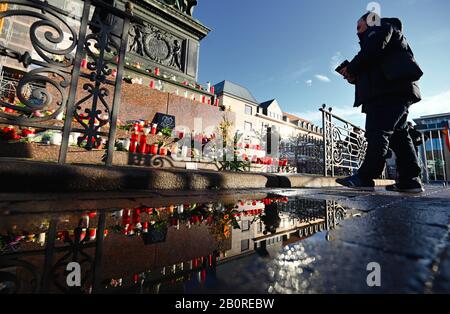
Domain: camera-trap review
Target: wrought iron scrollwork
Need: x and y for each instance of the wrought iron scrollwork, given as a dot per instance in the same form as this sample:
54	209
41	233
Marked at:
33	91
344	145
14	282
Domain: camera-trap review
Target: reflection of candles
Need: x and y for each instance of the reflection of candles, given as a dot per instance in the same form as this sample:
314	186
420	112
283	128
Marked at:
217	102
210	260
203	99
92	233
145	227
203	275
209	101
212	90
41	239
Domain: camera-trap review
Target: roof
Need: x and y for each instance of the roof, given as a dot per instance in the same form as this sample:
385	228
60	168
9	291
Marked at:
235	90
434	116
295	118
266	104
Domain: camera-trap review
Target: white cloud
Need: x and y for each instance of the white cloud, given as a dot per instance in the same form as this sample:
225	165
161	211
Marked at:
336	61
309	83
322	78
439	103
305	67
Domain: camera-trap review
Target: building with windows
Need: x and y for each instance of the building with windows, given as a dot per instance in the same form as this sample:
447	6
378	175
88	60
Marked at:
435	153
254	118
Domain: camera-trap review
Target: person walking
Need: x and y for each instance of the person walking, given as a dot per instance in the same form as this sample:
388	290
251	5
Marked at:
385	74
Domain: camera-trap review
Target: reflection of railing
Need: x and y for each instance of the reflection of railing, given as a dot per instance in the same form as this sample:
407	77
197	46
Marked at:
58	70
304	152
431	155
344	145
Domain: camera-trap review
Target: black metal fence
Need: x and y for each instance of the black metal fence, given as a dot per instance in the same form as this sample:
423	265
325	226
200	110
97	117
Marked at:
59	41
344	145
433	154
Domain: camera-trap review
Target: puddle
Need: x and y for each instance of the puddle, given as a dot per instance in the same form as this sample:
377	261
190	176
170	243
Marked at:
249	246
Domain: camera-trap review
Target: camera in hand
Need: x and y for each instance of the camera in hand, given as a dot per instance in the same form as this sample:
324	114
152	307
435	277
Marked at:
343	65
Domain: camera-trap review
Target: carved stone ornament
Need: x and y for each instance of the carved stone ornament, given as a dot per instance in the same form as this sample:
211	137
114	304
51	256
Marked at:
157	45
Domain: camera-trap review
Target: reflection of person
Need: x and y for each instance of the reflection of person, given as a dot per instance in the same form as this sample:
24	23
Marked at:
385	75
271	219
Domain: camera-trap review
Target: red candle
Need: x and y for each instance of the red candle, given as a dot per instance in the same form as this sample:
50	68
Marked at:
163	151
209	101
156	71
142	143
180	135
212	90
217	102
114	73
154	149
203	99
152	84
133	142
154	129
84	63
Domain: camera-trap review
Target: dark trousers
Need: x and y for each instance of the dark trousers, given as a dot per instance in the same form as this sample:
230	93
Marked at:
386	127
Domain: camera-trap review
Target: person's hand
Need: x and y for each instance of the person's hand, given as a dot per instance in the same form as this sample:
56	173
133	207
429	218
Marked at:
347	76
344	72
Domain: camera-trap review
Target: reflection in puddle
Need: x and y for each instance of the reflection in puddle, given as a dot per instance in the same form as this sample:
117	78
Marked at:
177	248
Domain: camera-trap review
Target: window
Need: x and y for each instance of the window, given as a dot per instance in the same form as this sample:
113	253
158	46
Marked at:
245	225
248	110
245	245
248	126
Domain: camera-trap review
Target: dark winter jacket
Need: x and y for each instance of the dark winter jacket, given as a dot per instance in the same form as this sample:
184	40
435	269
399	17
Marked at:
385	67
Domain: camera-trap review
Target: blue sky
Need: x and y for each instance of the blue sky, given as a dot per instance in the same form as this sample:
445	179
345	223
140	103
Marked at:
287	50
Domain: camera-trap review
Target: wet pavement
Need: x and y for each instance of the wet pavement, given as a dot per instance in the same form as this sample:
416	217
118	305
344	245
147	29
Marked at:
273	241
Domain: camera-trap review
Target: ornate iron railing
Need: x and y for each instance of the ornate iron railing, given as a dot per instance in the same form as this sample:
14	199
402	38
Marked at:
344	145
59	41
432	154
304	152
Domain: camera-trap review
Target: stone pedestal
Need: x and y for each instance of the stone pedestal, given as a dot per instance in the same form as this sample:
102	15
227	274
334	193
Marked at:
169	39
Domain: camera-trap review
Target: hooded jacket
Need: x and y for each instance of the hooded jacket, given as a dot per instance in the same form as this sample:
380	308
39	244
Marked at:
385	67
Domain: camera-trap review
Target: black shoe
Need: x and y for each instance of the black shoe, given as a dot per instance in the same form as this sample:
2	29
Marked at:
411	186
357	183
